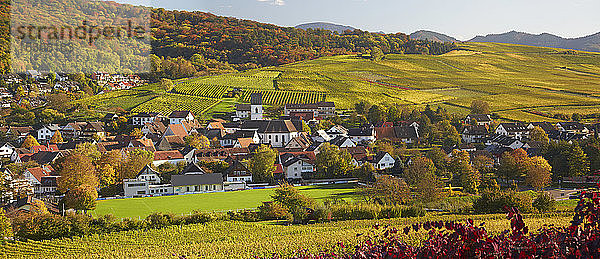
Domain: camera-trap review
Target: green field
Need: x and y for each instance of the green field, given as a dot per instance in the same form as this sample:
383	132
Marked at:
221	201
225	239
514	79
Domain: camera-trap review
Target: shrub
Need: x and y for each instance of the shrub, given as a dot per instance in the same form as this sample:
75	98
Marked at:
391	212
198	217
245	215
544	203
495	201
272	211
413	211
159	220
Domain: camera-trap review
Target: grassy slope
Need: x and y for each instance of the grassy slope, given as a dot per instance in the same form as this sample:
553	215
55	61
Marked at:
223	201
512	78
237	239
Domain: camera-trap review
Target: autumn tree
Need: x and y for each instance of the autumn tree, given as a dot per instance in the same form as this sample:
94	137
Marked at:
420	174
538	134
82	198
197	141
513	164
56	138
38	207
376	54
480	107
332	162
75	170
387	190
135	161
539	173
262	164
108	166
460	166
29	141
166	84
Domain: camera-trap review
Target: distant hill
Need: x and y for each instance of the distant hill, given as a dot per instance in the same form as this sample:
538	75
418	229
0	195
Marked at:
431	36
587	43
325	26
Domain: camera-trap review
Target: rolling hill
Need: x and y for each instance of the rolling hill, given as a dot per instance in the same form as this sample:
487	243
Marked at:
325	26
432	36
587	43
520	83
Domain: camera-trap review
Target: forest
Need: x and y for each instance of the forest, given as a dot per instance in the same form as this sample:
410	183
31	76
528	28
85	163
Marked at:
191	43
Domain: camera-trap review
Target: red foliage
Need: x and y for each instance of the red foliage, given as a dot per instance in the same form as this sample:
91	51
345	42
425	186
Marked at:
467	240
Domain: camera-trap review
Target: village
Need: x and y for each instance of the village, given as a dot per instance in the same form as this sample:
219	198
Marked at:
297	137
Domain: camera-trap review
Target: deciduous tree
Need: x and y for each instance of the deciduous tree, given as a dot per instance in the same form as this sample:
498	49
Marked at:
262	164
539	173
29	141
82	198
333	162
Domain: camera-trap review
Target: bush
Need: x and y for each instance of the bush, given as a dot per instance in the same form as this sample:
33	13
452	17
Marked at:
245	215
159	220
496	201
354	211
391	212
272	211
544	203
413	211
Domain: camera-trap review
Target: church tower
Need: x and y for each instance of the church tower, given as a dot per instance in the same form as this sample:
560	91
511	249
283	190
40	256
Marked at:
256	108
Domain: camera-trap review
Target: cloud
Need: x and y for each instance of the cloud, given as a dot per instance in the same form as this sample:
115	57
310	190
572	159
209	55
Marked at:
274	2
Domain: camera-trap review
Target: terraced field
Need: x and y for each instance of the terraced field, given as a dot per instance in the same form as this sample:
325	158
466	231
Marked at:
515	80
167	103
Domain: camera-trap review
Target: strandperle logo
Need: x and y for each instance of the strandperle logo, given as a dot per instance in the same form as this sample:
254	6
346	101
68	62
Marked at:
86	31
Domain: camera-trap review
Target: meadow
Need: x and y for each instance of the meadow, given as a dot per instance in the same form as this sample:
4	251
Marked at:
514	79
225	239
211	202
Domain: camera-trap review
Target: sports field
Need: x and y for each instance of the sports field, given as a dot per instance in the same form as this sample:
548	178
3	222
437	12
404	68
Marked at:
221	201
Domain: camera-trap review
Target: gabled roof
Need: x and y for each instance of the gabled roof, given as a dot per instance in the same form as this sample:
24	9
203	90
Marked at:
42	157
193	168
380	156
167	155
270	126
178	130
475	130
147	170
480	117
361	132
242	107
514	127
571	125
340	140
406	132
256	99
179	114
39	172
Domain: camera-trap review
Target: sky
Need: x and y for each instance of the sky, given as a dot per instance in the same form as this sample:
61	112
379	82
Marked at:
463	19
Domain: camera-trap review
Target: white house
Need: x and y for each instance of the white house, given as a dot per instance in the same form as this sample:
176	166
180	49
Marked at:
342	141
383	160
34	177
294	167
482	119
172	156
474	134
337	130
6	150
513	130
47	131
177	117
276	133
359	135
143	118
